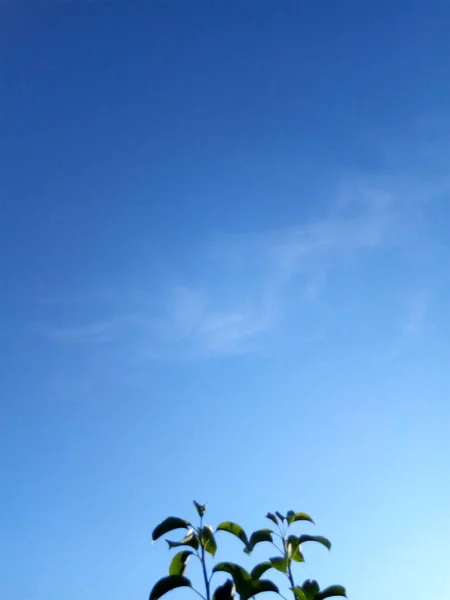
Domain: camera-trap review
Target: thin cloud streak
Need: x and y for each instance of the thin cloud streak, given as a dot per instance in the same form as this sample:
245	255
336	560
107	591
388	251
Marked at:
247	286
259	273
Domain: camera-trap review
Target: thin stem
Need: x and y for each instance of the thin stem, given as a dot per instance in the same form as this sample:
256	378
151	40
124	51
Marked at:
290	576
289	570
281	531
291	579
278	548
203	561
205	575
197	592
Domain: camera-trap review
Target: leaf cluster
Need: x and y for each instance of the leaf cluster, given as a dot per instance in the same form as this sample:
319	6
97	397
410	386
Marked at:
200	541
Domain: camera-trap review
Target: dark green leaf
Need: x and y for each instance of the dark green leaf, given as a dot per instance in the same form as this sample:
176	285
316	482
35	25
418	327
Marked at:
256	587
262	535
240	576
329	592
190	540
209	541
260	569
280	516
169	524
225	591
236	571
280	563
245	585
272	517
315	538
179	562
166	584
201	508
310	589
299	593
235	529
299	516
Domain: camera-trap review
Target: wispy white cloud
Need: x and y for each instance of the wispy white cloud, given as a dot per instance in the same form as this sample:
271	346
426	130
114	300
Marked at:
246	287
228	309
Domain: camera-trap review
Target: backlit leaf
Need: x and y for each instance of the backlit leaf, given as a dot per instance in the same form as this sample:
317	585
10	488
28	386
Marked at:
293	545
209	540
179	562
280	563
289	515
299	516
297	556
299	593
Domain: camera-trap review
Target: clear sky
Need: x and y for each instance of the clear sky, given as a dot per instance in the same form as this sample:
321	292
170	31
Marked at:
224	276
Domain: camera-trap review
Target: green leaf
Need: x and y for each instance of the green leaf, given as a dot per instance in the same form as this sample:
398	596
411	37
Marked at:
246	586
315	538
209	541
256	587
261	535
293	540
236	571
297	556
280	516
167	525
299	593
329	592
260	569
310	589
235	529
280	563
272	517
201	508
166	584
179	562
293	544
240	576
299	516
190	540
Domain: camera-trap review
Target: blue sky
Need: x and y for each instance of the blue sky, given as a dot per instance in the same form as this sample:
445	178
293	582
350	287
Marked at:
224	250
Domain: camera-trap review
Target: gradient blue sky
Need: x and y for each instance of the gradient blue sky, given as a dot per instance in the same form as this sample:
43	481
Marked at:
224	276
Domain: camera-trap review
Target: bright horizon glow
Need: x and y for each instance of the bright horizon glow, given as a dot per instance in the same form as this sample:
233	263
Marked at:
224	278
